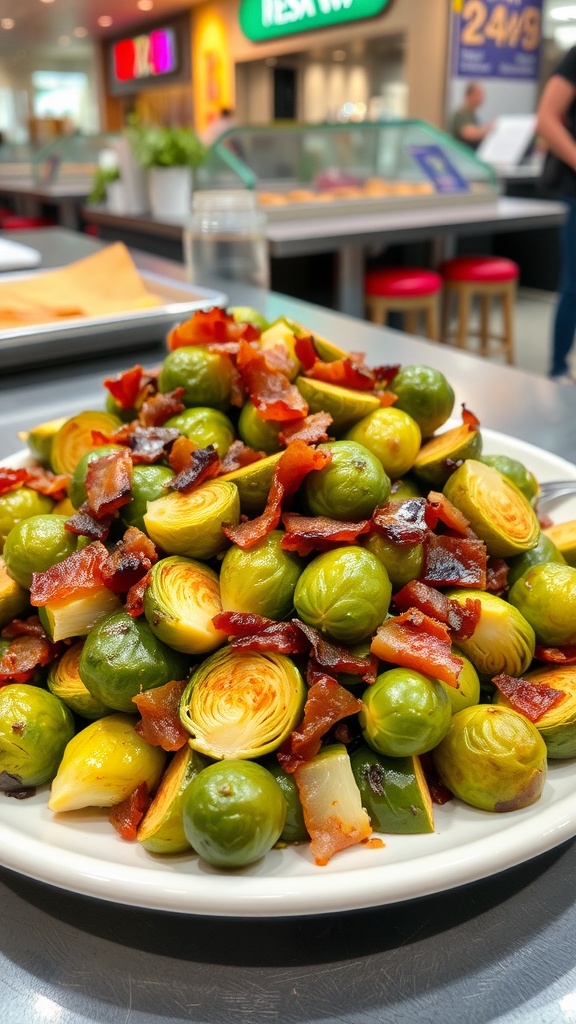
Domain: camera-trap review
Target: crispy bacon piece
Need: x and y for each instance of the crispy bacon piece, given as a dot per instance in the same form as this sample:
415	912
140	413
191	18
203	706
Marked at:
135	597
293	465
209	326
160	407
439	793
460	619
192	465
531	699
454	562
29	648
387	398
86	524
402	522
328	655
414	640
326	704
556	655
127	815
448	514
496	575
160	723
11	479
24	627
250	632
318	533
464	618
269	390
147	444
469	418
125	388
305	350
385	374
46	482
131	558
312	429
109	483
83	570
239	455
343	372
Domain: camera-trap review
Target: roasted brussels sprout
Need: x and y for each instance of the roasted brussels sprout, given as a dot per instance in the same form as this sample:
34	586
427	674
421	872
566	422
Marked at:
18	505
162	827
557	726
79	613
496	510
74	438
14	599
294	830
242	704
258	433
180	602
503	641
394	792
467	692
437	457
331	802
345	406
262	579
350	487
253	482
103	764
402	562
205	376
148	484
122	657
77	485
234	812
392	436
35	544
205	426
546	597
516	471
425	394
191	524
248	315
405	713
35	727
64	682
543	551
40	438
344	593
492	758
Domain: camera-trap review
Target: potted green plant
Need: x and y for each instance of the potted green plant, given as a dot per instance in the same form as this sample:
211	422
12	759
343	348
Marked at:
171	155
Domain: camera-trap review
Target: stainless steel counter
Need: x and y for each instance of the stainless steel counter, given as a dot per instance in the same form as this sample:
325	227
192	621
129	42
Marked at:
499	951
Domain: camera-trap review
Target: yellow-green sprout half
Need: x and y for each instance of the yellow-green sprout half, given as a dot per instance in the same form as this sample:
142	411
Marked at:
180	602
191	524
242	704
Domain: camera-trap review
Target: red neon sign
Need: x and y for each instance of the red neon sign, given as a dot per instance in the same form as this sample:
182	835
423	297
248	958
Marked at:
145	56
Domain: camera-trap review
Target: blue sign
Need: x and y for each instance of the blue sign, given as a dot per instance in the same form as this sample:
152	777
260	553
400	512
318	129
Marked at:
438	169
497	38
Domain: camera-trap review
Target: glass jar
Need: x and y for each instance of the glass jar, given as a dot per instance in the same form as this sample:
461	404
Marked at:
226	239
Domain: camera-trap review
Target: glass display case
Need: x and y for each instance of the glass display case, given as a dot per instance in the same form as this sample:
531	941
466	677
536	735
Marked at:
70	160
368	165
15	161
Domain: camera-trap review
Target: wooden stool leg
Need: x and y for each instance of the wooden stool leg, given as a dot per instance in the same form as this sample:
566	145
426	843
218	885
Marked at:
446	310
431	318
463	316
484	301
508	321
411	321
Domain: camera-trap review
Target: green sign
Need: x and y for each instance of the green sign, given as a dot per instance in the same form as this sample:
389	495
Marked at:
269	19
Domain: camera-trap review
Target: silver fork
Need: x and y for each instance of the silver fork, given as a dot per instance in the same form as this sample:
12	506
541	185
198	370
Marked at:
551	493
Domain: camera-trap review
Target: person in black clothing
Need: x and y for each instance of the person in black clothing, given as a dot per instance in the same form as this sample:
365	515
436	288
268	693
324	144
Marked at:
556	125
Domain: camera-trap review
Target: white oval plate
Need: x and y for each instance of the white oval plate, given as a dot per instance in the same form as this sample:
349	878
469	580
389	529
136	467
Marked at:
81	852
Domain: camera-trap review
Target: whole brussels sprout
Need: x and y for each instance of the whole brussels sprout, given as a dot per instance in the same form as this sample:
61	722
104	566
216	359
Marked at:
350	487
34	544
467	692
234	812
425	394
502	641
544	551
148	484
257	433
496	510
392	436
405	713
205	426
205	376
402	562
35	727
546	597
21	504
262	579
122	657
493	758
344	593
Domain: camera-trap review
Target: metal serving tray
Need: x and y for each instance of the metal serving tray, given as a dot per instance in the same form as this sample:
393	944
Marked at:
81	337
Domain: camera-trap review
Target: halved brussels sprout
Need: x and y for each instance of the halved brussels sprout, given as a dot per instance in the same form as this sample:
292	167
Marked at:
39	439
425	394
256	432
234	812
350	487
180	602
405	713
74	438
242	704
21	504
331	802
14	599
344	593
77	485
543	551
557	726
64	682
394	792
103	764
205	426
253	483
437	458
205	376
162	827
79	613
546	597
148	484
492	758
503	641
191	524
563	537
496	510
516	471
34	544
35	727
261	580
345	405
122	657
392	436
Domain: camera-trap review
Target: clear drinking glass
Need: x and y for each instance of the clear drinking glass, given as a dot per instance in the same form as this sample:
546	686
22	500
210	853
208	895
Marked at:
225	238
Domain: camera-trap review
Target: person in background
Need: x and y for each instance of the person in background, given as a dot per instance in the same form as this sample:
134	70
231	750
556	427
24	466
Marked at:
464	124
218	126
556	125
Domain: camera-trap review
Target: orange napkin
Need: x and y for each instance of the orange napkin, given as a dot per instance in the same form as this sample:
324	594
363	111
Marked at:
99	285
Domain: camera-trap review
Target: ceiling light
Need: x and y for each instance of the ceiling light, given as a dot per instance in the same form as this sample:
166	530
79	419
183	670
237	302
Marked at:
339	55
7	23
565	36
565	13
47	1
145	5
79	32
105	21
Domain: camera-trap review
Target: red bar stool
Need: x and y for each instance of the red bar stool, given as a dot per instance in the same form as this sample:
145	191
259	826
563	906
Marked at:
483	278
15	223
410	291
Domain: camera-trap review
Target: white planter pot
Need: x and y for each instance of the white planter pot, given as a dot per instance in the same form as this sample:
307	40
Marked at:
170	192
116	198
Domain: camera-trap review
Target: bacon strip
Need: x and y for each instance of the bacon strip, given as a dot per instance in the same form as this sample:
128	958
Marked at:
238	456
556	655
192	465
326	704
29	649
454	562
448	514
83	570
269	390
343	372
160	407
131	558
532	700
109	483
11	479
414	640
160	723
319	533
312	429
402	522
135	597
251	632
125	387
337	658
86	524
210	326
127	815
461	619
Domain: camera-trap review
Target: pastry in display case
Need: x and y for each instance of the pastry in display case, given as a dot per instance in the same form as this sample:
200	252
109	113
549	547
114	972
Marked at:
360	167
